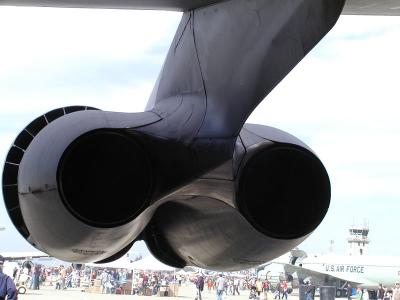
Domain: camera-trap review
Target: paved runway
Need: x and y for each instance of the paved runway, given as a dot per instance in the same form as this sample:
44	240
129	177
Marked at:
187	292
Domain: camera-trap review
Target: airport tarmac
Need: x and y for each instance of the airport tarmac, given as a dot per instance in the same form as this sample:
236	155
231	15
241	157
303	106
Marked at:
187	292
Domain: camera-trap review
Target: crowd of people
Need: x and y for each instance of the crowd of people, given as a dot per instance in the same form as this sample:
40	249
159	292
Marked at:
33	276
152	283
233	285
382	293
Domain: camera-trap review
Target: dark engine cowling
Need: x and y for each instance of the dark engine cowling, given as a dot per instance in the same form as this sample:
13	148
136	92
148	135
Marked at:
261	203
282	176
83	185
67	179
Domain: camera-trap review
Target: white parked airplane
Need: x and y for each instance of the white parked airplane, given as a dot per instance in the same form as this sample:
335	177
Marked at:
336	270
13	256
12	266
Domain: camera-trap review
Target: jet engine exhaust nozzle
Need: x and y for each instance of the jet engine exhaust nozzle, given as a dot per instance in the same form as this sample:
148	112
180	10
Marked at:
286	182
108	170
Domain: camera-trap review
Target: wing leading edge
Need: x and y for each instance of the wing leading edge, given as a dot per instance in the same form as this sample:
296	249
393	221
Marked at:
173	5
372	7
352	7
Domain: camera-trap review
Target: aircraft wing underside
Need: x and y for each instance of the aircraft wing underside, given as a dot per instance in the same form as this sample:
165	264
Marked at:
352	7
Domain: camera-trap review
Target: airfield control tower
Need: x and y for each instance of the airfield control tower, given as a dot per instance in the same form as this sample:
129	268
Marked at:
358	240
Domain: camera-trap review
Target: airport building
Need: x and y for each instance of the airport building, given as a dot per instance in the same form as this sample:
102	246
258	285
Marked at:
358	240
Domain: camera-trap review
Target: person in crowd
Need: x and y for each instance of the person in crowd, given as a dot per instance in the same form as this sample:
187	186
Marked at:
68	279
105	279
58	281
76	278
253	290
360	296
284	290
349	291
154	285
63	276
7	286
93	276
199	286
15	273
220	286
140	285
278	290
259	287
266	286
236	283
210	284
145	283
32	277
230	286
380	293
265	289
396	292
123	276
388	294
226	286
252	282
242	284
310	291
36	276
179	279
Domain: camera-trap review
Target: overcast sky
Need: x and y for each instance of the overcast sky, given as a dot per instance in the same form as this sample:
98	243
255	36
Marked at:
342	99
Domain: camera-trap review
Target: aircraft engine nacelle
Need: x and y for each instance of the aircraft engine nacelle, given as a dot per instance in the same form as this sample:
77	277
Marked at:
83	185
265	200
73	183
283	189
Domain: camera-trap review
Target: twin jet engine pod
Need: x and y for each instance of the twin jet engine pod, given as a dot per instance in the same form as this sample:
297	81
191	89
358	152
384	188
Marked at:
283	189
83	185
259	204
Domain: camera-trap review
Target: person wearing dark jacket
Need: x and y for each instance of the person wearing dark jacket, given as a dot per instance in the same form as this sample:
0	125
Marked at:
310	291
349	291
7	286
278	291
199	286
380	293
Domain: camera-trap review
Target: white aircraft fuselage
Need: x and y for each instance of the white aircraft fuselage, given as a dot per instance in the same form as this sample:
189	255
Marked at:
338	270
367	271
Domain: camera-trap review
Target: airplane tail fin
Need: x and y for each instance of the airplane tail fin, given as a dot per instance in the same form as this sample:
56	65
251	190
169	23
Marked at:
231	55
